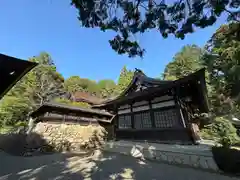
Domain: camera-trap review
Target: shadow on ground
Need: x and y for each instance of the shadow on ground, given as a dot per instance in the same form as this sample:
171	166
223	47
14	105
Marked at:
96	166
93	165
71	166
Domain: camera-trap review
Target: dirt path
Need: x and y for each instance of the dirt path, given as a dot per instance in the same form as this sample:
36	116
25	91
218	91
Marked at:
96	167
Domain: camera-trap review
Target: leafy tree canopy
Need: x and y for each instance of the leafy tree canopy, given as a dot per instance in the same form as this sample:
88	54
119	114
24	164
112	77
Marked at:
187	61
107	88
13	109
75	83
124	79
71	103
127	18
40	85
223	63
223	59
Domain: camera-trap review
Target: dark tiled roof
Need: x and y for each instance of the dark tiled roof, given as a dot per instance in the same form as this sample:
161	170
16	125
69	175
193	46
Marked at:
57	107
160	86
11	71
70	118
85	97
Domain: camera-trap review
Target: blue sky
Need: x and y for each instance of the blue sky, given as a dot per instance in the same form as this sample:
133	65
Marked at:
29	27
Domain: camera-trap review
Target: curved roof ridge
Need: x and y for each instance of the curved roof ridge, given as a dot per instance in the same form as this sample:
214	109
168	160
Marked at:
141	76
166	84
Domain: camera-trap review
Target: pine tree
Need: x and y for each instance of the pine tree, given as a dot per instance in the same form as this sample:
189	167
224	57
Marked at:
124	79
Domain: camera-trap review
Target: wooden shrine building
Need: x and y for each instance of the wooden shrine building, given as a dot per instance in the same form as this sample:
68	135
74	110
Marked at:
156	110
147	110
61	113
58	113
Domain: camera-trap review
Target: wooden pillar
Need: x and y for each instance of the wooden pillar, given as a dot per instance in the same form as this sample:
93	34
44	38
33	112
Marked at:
179	110
151	114
195	133
115	122
202	93
132	117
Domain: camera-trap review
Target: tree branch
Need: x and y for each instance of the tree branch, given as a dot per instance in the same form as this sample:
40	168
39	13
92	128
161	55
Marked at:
231	13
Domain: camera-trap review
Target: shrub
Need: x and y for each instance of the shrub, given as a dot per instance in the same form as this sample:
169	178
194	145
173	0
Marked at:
206	133
221	131
21	124
72	103
202	119
6	129
225	131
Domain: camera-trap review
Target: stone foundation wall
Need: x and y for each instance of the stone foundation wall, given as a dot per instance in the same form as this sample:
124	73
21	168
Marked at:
73	137
198	156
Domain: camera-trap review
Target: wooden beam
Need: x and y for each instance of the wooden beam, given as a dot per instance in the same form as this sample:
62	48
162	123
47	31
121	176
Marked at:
179	110
152	115
132	117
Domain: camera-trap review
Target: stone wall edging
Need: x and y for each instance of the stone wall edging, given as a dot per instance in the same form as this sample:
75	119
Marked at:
188	159
168	148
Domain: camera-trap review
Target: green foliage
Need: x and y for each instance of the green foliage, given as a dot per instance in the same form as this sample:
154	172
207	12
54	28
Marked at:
80	104
6	129
21	124
75	84
222	61
40	85
13	109
185	62
107	88
71	103
129	18
221	58
72	84
188	60
124	79
223	129
61	100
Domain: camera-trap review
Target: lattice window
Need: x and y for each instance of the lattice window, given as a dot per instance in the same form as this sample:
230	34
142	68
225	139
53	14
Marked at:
124	121
142	120
166	118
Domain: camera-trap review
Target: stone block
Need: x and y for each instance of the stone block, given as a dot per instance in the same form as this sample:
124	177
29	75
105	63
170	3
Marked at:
178	159
163	156
59	133
186	159
203	163
211	164
194	161
150	153
137	152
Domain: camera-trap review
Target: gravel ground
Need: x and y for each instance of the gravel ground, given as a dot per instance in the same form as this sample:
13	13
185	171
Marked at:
96	166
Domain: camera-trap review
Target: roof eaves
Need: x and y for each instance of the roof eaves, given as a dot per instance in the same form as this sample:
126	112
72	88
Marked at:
168	84
27	69
55	105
